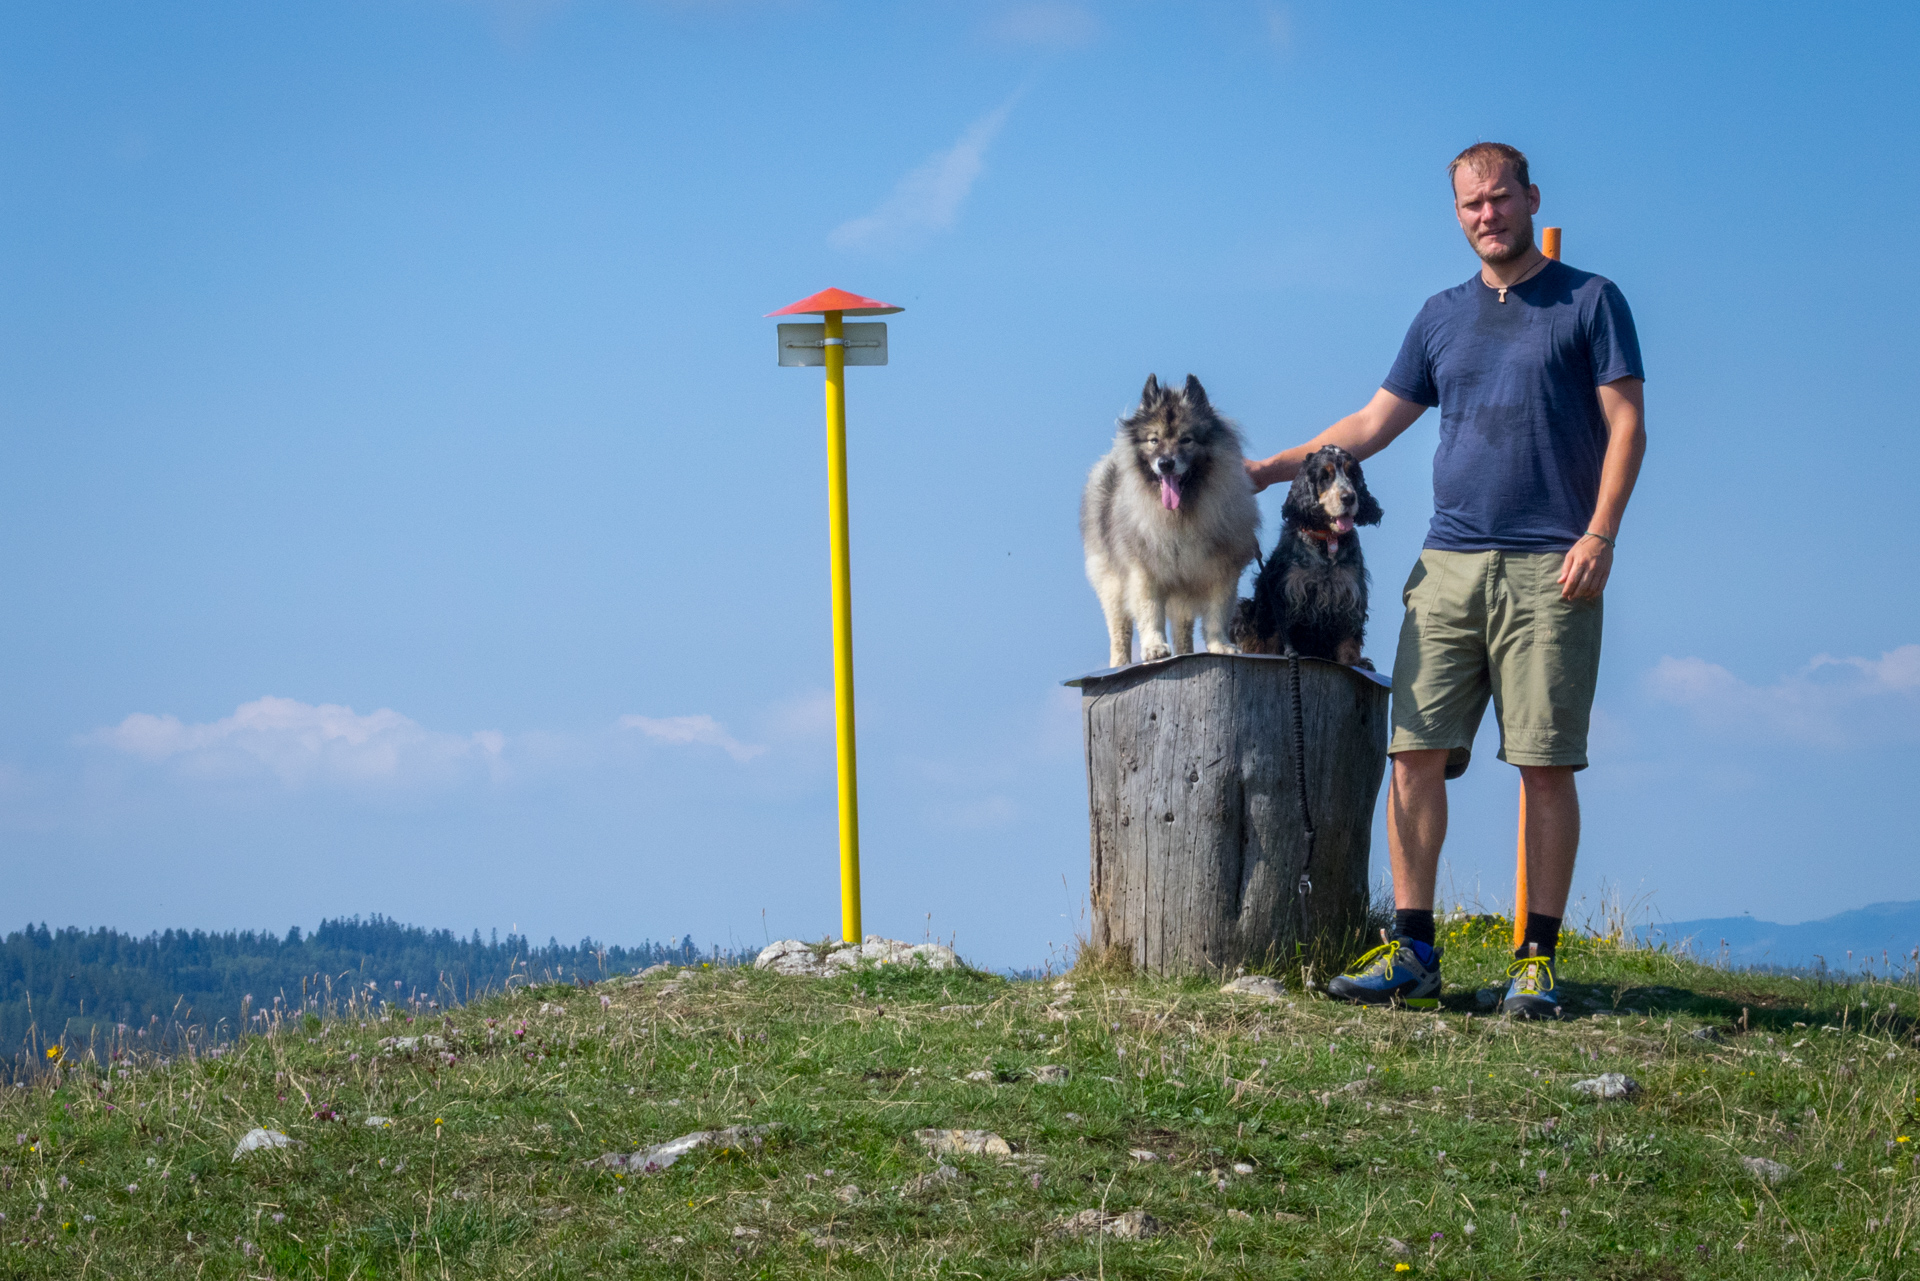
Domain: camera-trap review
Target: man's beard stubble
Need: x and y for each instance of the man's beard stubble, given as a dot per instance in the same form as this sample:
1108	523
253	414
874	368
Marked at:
1522	242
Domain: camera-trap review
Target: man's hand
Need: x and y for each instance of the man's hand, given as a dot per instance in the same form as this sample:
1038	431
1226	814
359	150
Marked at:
1361	434
1265	471
1584	571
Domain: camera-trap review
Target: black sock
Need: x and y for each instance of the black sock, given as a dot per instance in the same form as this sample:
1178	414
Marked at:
1412	923
1544	930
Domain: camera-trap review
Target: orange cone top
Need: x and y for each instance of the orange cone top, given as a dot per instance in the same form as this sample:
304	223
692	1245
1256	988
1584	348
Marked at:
837	300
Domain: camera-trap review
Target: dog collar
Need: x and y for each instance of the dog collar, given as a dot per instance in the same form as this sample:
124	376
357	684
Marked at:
1327	536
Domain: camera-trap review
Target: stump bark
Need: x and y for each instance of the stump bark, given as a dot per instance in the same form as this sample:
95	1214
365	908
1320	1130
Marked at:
1197	841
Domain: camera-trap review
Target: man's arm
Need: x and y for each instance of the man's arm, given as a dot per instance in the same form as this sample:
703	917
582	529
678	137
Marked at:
1363	435
1583	574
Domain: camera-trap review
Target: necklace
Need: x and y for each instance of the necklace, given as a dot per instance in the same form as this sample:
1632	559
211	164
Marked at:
1523	280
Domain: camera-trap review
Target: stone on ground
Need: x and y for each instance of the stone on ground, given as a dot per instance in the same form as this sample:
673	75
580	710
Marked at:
1768	1172
1608	1085
661	1155
964	1142
1257	985
792	956
254	1140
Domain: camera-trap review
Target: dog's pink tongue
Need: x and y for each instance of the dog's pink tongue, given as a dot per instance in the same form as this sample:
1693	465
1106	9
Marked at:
1342	524
1170	493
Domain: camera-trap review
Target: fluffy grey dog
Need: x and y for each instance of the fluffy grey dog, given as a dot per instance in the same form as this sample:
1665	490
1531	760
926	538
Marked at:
1169	522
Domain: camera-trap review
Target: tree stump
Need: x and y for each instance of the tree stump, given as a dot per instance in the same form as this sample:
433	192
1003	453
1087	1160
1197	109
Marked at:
1197	839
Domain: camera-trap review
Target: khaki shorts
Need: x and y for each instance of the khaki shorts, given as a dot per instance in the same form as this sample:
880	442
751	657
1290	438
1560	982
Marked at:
1493	624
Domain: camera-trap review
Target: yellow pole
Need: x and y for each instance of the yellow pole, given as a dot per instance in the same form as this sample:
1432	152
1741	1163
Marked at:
836	355
1550	246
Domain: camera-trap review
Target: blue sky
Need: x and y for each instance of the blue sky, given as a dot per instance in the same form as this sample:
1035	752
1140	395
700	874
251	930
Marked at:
401	509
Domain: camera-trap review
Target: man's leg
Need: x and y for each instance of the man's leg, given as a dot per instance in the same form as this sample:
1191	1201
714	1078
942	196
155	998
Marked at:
1553	837
1416	825
1405	969
1546	657
1440	689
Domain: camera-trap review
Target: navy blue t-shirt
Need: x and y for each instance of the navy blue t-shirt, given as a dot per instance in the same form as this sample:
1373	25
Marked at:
1521	432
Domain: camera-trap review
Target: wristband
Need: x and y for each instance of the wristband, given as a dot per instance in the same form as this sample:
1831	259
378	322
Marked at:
1602	537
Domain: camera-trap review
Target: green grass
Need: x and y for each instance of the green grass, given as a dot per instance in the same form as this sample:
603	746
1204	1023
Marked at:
484	1170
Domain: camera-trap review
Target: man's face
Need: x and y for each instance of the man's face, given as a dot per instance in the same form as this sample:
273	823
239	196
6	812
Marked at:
1495	211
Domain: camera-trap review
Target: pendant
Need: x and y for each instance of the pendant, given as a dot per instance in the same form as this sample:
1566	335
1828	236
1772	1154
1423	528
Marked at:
1503	295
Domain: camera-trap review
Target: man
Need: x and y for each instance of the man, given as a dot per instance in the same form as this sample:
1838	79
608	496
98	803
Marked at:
1536	371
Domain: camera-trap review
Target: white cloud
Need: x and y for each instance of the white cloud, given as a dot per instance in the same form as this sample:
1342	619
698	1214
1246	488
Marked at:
303	744
1832	702
701	730
928	199
1051	26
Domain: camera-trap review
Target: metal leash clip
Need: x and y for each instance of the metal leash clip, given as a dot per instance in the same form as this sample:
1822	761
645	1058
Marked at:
1306	885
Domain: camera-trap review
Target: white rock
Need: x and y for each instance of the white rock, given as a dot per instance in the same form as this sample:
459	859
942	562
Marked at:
378	1123
408	1044
1608	1085
792	956
1768	1172
1143	1155
879	951
661	1155
1050	1074
254	1140
964	1142
983	1076
1257	985
789	956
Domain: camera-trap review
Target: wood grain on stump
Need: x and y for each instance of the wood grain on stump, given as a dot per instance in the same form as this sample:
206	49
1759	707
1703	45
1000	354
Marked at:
1197	842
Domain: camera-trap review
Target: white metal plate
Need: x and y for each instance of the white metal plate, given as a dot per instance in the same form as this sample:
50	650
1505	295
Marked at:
802	345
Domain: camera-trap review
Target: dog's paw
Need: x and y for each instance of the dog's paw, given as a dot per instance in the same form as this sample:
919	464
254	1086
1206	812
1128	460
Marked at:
1221	647
1154	651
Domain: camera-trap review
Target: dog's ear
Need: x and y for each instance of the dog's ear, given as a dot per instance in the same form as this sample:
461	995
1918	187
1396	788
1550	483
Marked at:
1303	505
1152	394
1196	396
1369	512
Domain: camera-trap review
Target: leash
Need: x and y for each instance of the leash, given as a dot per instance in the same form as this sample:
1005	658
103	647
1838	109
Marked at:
1304	886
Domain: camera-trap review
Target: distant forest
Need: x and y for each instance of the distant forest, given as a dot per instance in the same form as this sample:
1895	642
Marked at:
74	985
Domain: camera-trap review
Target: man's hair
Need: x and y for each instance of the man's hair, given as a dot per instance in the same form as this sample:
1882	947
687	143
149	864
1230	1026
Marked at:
1485	157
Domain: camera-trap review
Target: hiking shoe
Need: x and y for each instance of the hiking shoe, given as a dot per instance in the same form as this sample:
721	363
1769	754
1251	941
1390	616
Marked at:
1392	974
1532	992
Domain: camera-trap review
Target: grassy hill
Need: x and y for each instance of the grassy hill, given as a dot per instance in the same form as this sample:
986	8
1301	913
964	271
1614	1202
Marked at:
1265	1139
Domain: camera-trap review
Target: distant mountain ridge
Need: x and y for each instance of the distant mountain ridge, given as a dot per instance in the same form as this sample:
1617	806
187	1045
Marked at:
1892	929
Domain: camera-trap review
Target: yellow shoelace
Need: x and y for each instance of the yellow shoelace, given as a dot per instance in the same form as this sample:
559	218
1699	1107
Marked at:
1390	948
1530	986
